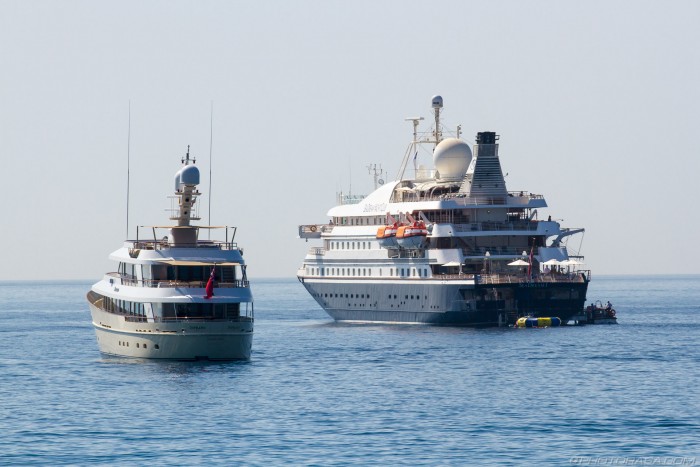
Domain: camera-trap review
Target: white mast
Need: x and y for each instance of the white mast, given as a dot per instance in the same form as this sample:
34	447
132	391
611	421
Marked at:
437	105
377	174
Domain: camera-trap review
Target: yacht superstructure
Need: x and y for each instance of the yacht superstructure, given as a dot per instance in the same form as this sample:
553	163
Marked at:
176	296
450	246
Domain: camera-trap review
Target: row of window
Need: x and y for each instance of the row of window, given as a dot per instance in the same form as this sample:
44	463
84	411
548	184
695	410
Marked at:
395	297
123	307
145	346
337	245
161	272
452	216
366	272
173	310
326	295
368	220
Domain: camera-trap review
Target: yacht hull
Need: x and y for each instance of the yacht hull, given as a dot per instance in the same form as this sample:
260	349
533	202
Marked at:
181	340
445	302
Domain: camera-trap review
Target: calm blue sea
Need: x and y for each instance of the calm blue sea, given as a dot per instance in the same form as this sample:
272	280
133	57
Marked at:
321	393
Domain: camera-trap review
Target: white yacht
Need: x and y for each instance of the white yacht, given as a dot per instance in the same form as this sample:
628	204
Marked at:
178	296
449	246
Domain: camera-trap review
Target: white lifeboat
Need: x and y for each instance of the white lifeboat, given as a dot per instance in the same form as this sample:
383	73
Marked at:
412	235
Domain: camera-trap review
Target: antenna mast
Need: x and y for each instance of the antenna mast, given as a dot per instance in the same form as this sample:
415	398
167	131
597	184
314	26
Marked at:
377	173
211	142
412	147
128	157
437	105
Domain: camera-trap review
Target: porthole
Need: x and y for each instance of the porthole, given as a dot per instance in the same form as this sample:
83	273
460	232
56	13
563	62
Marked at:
157	346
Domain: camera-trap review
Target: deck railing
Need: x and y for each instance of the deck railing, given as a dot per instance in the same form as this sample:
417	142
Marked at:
199	319
496	226
132	281
573	277
163	244
464	198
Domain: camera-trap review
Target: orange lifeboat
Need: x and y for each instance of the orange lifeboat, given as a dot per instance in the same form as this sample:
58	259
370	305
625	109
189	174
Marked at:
412	235
387	234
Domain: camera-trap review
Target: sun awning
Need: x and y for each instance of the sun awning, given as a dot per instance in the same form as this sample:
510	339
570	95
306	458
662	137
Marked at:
452	263
182	262
571	262
183	226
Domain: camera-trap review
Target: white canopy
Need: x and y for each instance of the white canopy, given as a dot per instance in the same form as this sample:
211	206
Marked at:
552	262
207	262
519	262
452	263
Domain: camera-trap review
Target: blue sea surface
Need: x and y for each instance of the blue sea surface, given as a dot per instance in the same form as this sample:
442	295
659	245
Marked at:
321	393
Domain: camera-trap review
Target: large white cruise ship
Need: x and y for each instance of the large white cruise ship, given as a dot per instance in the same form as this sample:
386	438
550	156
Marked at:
450	246
176	297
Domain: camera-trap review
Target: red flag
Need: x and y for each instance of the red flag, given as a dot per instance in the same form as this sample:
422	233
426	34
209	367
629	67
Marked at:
209	289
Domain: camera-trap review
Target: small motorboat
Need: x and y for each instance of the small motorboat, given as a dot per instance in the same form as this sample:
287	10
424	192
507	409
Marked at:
596	313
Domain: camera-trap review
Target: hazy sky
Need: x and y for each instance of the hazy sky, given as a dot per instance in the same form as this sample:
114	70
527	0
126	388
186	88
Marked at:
597	104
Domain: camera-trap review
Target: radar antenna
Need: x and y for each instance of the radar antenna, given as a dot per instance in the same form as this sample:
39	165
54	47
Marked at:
377	173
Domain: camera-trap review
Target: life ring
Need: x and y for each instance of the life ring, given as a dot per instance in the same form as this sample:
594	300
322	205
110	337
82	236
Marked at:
312	228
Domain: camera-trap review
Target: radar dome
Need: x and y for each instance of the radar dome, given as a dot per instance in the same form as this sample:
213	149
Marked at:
451	158
188	175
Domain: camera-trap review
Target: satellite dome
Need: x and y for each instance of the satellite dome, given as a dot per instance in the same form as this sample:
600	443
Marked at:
437	102
451	158
188	175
